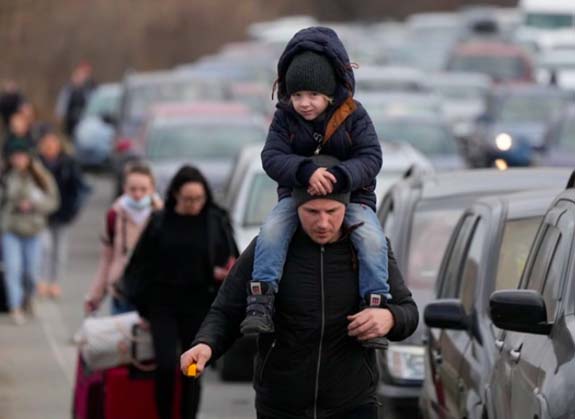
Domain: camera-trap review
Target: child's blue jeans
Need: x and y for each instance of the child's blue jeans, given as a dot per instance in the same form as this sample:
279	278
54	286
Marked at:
369	241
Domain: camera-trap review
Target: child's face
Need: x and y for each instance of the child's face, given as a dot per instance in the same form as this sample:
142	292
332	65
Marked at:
309	104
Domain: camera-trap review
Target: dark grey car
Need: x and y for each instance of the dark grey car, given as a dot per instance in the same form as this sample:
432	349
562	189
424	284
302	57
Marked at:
486	252
418	215
534	373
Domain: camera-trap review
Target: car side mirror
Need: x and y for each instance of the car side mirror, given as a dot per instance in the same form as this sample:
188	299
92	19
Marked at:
519	311
446	314
109	118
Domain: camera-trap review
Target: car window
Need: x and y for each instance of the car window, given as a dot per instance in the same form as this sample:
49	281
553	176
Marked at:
517	238
567	134
261	199
531	108
497	67
387	215
468	277
452	266
557	265
547	248
430	138
430	232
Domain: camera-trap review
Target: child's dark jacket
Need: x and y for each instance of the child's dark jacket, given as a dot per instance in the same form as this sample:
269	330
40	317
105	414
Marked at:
347	132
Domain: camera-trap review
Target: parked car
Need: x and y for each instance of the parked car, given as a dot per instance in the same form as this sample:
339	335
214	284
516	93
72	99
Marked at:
429	134
464	97
487	251
251	194
419	214
559	146
95	132
504	62
208	135
534	370
513	127
141	92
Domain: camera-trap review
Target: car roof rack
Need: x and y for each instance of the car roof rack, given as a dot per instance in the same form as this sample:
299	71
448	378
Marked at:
571	181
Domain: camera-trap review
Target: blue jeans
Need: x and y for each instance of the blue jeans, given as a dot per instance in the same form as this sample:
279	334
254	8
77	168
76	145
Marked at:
22	257
120	306
369	241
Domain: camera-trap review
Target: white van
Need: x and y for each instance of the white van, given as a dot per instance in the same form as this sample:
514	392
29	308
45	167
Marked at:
543	20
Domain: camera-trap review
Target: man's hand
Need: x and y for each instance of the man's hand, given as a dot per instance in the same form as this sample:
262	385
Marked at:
321	182
199	355
370	323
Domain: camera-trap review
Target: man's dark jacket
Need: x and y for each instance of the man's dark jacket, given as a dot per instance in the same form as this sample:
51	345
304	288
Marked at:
309	367
346	132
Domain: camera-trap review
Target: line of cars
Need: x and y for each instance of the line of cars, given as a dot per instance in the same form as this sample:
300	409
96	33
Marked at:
498	341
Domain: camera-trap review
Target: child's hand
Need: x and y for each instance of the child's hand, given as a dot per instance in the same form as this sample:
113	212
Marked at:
321	182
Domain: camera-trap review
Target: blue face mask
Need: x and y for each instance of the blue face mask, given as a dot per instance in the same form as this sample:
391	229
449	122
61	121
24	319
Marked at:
140	204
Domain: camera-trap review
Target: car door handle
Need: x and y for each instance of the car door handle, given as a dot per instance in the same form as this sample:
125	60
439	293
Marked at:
437	357
499	344
515	354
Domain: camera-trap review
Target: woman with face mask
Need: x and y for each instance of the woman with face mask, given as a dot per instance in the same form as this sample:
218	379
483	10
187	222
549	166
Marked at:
125	222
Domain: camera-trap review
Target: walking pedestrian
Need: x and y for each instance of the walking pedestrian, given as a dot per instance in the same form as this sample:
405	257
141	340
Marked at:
125	221
73	98
314	364
73	192
317	115
173	277
18	135
29	196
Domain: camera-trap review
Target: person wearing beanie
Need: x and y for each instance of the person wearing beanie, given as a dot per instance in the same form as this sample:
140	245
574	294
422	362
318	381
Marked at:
313	365
317	117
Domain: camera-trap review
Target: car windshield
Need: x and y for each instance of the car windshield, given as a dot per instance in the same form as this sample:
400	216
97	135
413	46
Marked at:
461	91
142	98
103	102
518	236
200	141
430	232
427	137
550	20
262	197
496	67
530	108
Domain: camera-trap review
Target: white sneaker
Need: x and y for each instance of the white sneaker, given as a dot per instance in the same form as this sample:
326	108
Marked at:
18	317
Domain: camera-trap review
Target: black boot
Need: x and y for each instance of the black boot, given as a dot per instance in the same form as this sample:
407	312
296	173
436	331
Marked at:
260	309
375	301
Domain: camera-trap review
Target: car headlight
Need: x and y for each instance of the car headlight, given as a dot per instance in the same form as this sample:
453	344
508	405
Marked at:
406	362
503	141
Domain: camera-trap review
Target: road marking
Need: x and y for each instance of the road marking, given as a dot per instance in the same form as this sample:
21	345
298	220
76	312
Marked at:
58	337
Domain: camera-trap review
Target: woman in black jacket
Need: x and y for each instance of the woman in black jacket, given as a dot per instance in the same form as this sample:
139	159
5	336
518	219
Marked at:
174	274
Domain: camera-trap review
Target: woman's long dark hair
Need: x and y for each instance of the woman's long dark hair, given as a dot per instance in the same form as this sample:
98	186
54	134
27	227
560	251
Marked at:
186	174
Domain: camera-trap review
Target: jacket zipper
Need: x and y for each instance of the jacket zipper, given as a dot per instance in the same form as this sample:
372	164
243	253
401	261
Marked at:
321	334
261	376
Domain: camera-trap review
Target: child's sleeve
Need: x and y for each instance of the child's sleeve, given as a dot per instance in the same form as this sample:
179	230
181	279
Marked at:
278	158
365	160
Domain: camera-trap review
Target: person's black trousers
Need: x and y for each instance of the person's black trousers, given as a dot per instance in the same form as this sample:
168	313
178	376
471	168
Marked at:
368	411
172	334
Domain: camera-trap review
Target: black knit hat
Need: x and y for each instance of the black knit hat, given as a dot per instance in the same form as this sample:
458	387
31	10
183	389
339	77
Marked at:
310	71
301	196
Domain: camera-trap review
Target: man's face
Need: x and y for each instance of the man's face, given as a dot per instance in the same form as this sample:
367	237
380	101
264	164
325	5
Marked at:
322	219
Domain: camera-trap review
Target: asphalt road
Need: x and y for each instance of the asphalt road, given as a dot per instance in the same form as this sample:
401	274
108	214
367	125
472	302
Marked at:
37	360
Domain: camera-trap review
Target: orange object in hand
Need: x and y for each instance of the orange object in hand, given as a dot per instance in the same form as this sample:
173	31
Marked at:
192	370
